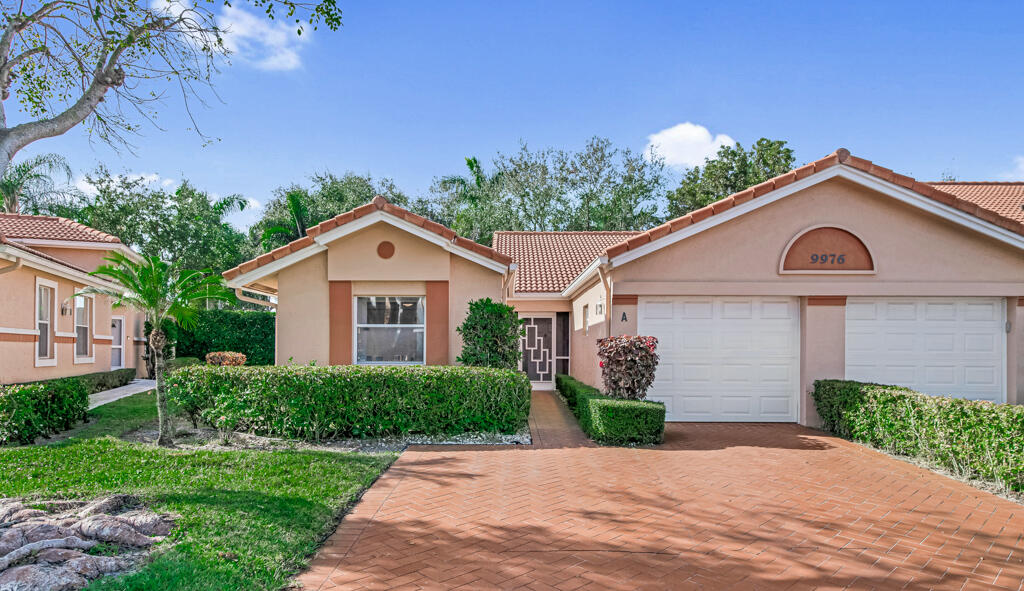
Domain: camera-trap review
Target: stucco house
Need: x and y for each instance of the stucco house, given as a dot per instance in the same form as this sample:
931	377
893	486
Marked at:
838	269
46	331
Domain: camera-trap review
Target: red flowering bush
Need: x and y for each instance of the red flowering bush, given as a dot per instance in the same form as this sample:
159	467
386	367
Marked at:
627	365
225	358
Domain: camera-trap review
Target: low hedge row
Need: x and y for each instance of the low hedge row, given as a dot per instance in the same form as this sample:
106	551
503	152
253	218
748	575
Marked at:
329	402
971	438
613	421
106	380
30	411
246	331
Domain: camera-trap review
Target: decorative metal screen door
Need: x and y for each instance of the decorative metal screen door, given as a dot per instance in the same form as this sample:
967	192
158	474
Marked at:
538	354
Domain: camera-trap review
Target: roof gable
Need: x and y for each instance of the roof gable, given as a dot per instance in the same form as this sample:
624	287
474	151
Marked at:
941	201
378	210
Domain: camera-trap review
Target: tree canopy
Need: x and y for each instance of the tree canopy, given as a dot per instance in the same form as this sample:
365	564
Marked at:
732	170
111	61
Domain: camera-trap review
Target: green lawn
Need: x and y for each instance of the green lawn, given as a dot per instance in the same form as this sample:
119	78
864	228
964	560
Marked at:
248	519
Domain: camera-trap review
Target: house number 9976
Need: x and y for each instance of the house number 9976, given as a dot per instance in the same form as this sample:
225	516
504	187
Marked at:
826	258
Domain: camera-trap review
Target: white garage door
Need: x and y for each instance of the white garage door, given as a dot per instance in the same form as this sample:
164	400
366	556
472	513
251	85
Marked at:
725	358
940	346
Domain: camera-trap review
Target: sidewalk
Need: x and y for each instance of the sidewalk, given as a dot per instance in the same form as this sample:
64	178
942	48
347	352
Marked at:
136	386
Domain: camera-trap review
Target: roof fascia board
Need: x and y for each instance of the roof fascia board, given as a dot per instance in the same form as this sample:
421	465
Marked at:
383	216
725	216
862	178
275	266
38	262
584	277
914	198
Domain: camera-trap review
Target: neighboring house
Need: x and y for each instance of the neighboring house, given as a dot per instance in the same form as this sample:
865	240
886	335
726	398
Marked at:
838	269
46	331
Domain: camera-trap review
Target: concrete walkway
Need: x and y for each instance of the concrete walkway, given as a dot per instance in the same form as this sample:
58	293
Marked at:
717	506
133	387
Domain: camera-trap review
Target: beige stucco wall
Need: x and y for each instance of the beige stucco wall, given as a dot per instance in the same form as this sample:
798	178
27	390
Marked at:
303	327
86	258
583	345
469	281
303	330
527	306
17	311
822	352
354	257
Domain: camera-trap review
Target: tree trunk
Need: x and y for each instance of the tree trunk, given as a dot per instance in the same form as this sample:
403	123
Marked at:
157	340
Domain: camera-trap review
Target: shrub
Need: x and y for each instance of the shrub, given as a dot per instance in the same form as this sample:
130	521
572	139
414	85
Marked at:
613	421
29	411
971	438
106	380
627	365
225	358
327	402
490	335
246	331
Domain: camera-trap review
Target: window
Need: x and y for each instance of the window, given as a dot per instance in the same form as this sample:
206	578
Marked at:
586	320
46	295
83	320
390	329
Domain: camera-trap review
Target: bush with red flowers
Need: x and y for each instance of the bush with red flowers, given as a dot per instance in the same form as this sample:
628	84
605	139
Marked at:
225	358
627	365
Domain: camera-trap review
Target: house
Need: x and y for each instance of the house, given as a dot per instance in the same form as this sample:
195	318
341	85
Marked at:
840	268
46	331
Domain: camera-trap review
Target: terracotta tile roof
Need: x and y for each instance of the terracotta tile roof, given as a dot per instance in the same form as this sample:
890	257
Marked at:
549	261
49	257
43	227
379	203
1005	199
970	201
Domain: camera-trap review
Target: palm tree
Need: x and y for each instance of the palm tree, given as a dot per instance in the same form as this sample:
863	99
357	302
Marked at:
300	217
29	183
161	291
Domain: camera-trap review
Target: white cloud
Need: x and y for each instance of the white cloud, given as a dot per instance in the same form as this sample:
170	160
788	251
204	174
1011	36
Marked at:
261	42
686	144
1017	172
153	179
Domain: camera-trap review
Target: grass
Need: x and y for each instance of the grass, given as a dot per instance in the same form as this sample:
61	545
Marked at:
247	519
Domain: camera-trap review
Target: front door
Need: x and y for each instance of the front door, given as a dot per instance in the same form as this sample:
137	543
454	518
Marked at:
538	355
117	342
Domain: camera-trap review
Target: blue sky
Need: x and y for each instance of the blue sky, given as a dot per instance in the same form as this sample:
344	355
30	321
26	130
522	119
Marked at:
407	90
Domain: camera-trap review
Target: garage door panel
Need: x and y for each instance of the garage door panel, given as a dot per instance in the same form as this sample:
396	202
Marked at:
736	360
658	309
947	346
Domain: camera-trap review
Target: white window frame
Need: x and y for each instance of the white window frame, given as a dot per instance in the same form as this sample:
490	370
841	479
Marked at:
54	315
92	329
114	345
356	326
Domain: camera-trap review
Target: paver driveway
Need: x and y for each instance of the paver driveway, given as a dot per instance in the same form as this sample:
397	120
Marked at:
718	506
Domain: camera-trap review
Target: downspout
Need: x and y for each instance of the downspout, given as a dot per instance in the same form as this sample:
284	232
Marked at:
251	300
507	281
14	267
607	300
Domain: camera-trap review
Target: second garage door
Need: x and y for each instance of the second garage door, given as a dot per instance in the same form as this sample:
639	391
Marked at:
725	358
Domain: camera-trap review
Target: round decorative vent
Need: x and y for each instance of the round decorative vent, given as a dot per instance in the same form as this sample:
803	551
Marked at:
385	250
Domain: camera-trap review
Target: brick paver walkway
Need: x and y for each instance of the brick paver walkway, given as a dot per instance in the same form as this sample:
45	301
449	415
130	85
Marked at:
718	506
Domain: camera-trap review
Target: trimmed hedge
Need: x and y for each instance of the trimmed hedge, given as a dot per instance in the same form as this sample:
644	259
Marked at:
106	380
29	411
247	331
225	358
179	362
330	402
613	421
971	438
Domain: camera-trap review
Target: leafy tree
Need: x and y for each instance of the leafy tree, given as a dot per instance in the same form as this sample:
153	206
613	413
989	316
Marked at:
475	205
536	187
185	226
732	170
27	186
295	208
161	291
65	61
490	335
